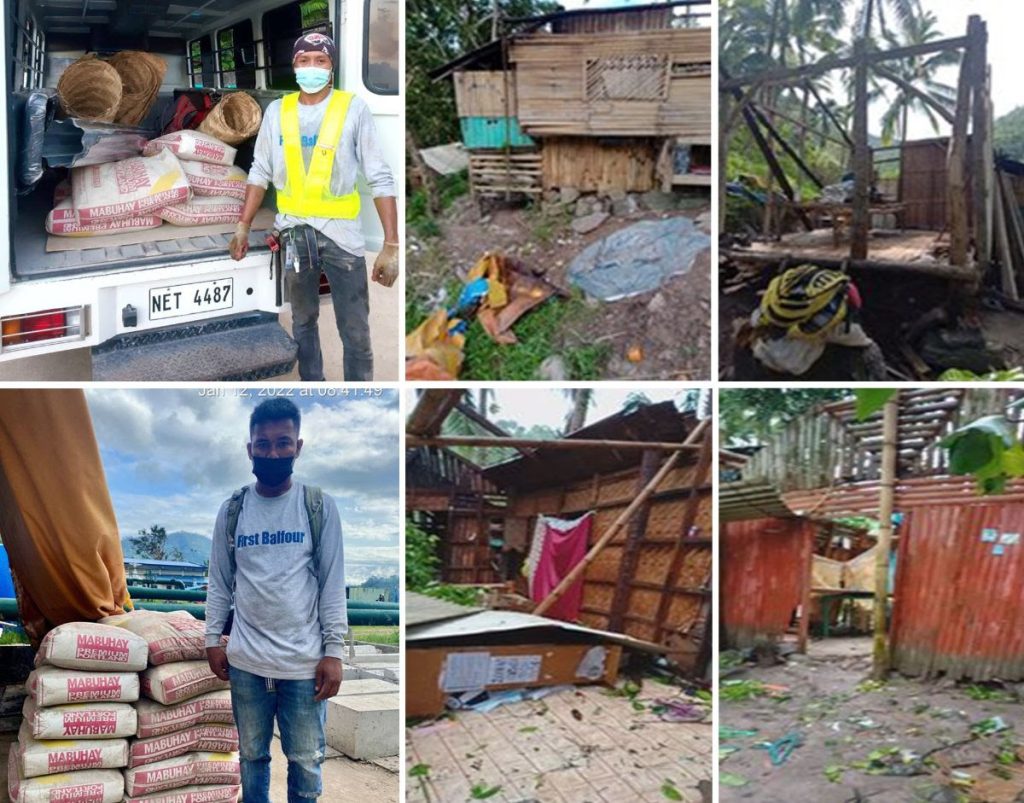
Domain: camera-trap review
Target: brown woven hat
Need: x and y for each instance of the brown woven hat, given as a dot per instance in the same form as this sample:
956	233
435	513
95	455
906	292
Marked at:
90	89
141	76
236	118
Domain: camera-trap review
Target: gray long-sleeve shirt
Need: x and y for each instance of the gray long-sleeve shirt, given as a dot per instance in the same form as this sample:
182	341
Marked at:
286	618
357	150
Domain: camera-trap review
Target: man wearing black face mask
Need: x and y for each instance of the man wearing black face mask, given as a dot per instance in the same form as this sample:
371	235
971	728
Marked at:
277	554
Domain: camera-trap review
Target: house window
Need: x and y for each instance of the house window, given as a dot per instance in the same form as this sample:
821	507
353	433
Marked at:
200	63
627	78
237	56
281	27
30	44
380	47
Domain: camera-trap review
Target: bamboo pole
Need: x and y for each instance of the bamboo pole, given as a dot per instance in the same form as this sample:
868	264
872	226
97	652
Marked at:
886	499
956	184
577	571
530	443
860	223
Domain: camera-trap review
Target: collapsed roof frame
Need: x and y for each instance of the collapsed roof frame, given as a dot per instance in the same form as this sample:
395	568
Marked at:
967	156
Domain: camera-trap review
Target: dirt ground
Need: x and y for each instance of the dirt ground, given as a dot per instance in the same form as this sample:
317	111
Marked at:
671	326
580	745
843	721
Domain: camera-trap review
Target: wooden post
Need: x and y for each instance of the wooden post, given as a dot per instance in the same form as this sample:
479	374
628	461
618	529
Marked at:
637	527
887	493
861	221
981	191
1002	240
807	560
956	187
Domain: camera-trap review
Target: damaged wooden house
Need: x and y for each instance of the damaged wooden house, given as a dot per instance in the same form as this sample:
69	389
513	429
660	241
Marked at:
592	99
942	573
607	530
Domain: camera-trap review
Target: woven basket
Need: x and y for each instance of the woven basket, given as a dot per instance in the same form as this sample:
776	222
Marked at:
141	76
236	118
90	89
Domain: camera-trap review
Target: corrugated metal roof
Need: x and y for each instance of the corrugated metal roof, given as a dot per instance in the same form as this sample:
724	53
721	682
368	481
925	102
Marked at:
555	467
744	501
490	622
422	610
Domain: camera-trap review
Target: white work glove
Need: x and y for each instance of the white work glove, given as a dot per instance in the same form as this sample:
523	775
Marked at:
239	245
385	266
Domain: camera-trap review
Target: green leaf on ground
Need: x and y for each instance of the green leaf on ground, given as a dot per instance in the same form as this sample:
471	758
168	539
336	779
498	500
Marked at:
529	729
669	791
834	772
419	771
728	779
482	791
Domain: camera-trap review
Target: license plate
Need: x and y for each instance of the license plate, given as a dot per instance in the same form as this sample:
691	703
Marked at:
186	299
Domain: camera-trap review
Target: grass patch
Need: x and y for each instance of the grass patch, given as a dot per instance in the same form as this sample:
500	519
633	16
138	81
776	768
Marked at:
539	332
417	210
13	636
375	634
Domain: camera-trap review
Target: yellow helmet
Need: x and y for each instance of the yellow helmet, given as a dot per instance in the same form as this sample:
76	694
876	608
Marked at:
806	301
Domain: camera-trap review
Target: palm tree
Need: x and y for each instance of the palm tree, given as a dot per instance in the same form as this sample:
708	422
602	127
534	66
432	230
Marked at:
577	417
901	11
918	72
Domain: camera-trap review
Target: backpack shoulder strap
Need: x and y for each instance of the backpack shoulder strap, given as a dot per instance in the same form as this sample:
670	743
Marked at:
231	525
314	499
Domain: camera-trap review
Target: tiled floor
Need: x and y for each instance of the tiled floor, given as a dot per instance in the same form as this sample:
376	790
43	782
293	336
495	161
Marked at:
581	746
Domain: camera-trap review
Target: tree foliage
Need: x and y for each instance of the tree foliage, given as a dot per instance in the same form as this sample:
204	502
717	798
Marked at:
1009	134
152	544
752	415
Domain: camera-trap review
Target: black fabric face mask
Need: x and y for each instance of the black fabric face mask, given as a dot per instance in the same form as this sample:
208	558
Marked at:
272	471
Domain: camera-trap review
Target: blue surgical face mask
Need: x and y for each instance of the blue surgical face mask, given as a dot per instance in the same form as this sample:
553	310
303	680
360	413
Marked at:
312	79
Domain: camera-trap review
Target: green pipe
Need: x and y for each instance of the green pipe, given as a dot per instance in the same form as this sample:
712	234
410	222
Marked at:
357	616
194	595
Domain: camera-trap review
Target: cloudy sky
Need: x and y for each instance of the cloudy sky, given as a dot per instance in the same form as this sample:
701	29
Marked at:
173	456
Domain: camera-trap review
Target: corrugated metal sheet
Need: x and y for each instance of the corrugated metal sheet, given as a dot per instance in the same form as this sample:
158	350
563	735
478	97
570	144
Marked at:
741	501
764	565
422	610
490	132
959	605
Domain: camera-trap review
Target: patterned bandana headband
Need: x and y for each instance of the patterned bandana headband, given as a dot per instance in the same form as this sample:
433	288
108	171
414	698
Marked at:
315	43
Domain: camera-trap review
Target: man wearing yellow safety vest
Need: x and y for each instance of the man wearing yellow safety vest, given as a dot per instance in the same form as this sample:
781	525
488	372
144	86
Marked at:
310	145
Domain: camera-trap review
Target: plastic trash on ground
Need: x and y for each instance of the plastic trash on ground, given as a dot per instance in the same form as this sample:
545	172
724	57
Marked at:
638	258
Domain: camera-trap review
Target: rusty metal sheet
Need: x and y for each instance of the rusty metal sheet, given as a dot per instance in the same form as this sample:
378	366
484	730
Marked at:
764	565
959	604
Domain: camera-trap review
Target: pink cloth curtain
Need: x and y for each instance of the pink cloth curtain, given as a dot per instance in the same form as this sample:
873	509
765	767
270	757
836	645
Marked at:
563	545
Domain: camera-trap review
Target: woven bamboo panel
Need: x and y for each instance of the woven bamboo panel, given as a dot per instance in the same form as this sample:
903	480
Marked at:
482	94
683	611
633	77
606	566
598	596
493	173
604	519
539	502
644	602
592	165
579	498
552	87
617	490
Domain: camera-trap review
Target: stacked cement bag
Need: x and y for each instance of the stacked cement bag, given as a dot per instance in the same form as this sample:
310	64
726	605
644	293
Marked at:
119	196
217	185
185	742
72	743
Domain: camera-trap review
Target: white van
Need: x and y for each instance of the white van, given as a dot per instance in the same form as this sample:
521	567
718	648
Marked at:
174	309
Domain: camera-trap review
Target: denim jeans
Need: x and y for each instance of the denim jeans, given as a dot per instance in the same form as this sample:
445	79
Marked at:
255	701
350	295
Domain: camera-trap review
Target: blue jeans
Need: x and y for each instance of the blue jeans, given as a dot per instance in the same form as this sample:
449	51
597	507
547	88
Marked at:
255	701
350	295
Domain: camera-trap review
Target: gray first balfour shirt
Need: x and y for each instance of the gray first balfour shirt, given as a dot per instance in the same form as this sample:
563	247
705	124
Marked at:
286	619
357	150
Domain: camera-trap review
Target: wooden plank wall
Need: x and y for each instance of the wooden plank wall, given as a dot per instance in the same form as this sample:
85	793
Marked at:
593	165
923	180
481	93
609	495
466	552
643	20
551	72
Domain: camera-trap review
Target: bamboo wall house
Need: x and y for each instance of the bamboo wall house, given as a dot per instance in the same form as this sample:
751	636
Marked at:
957	604
954	215
596	100
644	476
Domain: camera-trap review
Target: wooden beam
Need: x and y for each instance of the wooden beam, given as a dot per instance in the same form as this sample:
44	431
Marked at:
796	75
886	499
806	582
534	443
805	126
485	423
790	151
950	272
828	113
981	193
1002	240
860	223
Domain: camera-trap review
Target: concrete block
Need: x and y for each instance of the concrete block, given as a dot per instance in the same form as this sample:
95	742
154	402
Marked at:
364	649
350	688
364	726
371	660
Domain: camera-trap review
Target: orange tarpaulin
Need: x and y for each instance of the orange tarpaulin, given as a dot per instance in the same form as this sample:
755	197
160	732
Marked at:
56	517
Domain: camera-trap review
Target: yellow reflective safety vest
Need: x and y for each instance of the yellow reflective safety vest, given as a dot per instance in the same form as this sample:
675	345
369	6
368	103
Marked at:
309	194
